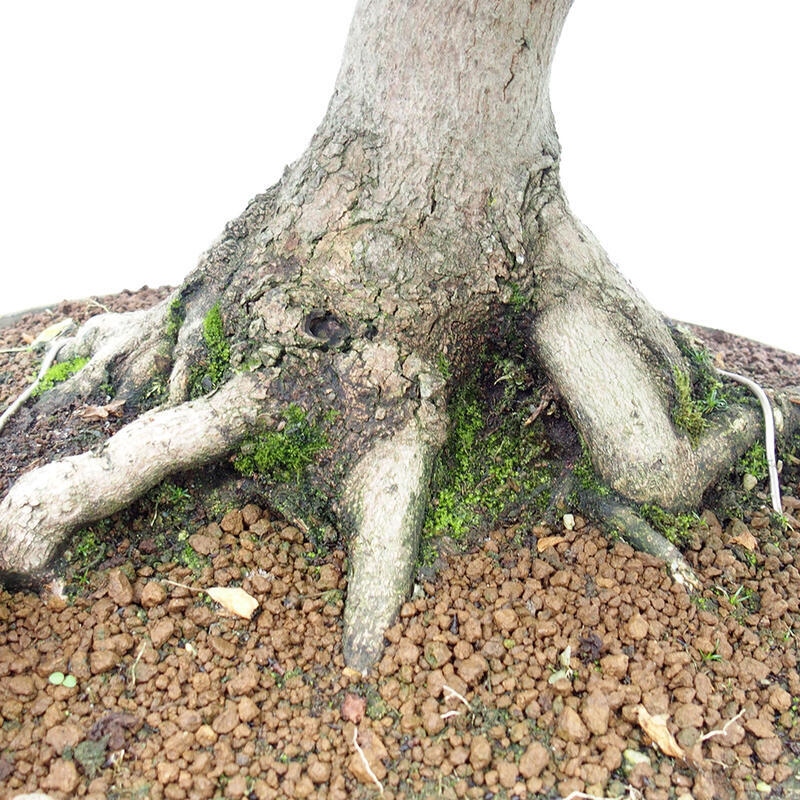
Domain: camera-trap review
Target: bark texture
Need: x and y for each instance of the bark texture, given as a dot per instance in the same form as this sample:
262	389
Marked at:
427	204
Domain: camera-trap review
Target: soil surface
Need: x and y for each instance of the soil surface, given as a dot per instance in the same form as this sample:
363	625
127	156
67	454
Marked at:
546	662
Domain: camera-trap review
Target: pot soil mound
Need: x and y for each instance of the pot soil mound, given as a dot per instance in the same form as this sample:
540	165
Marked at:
544	662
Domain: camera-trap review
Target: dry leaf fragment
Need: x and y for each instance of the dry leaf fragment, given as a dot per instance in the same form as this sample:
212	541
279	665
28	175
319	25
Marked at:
96	413
548	541
234	599
656	728
746	540
353	708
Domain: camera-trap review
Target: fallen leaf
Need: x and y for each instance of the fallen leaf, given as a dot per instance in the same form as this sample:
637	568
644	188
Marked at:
235	600
97	413
656	728
353	708
52	331
548	541
746	540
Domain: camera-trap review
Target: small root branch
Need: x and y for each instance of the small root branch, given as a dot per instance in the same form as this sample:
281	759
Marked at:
22	399
450	693
364	761
723	731
642	537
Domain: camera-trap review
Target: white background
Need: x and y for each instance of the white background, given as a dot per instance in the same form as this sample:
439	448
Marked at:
132	132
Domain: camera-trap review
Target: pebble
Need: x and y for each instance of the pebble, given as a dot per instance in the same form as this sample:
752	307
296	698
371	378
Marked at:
119	587
570	727
153	594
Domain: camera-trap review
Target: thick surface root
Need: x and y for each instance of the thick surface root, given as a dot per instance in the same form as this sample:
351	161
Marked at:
46	504
386	496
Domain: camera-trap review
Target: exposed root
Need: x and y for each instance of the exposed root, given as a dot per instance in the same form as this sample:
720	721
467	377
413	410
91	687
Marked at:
386	495
367	767
126	343
44	505
641	536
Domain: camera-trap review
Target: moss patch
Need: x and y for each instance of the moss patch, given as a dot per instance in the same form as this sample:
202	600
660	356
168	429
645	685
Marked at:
283	454
207	376
58	373
493	465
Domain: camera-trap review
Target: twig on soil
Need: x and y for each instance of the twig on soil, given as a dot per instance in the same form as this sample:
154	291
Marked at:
132	672
364	761
93	302
452	693
46	362
723	731
631	794
769	435
183	586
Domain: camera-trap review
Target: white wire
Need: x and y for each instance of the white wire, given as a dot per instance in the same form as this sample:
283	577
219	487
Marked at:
769	435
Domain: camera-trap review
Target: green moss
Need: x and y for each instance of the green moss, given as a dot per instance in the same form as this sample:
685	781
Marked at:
58	373
687	413
754	462
207	376
282	455
587	478
676	528
492	464
175	317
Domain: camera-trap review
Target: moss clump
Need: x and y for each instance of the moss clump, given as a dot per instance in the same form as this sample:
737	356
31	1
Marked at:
207	376
676	528
492	464
754	462
175	317
58	373
687	413
282	455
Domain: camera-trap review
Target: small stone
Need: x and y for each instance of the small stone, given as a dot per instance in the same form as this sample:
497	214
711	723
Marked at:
160	631
222	647
637	627
328	577
153	594
190	720
570	727
534	760
768	750
480	752
62	736
596	712
243	683
569	522
63	777
472	669
119	587
760	727
226	721
237	787
615	665
749	482
102	661
374	751
232	522
203	544
407	652
507	772
167	772
205	736
21	685
319	771
437	654
506	619
247	709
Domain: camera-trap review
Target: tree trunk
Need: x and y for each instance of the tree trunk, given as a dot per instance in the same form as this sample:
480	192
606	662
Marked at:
427	204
